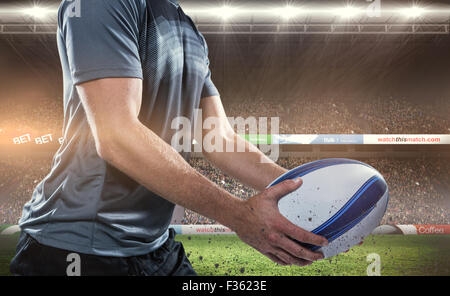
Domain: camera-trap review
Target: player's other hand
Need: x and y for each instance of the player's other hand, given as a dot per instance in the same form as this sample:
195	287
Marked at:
261	225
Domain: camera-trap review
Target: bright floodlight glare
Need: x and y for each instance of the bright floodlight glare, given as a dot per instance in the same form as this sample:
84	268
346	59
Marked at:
288	12
413	12
347	12
37	12
227	12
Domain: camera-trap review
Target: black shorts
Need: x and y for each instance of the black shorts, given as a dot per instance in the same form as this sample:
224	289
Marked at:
33	258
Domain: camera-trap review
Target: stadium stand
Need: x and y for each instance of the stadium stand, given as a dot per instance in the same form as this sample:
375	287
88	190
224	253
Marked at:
419	188
297	116
332	116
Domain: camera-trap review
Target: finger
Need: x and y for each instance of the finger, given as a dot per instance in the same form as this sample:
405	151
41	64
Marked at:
301	235
298	251
276	259
278	191
280	253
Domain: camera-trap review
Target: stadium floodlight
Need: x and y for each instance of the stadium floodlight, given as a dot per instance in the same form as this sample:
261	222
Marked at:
37	12
413	12
226	12
347	12
288	12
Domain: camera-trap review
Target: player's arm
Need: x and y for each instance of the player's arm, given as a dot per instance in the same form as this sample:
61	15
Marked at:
112	106
251	166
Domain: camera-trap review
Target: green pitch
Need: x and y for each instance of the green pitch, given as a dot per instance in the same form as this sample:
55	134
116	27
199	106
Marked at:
226	255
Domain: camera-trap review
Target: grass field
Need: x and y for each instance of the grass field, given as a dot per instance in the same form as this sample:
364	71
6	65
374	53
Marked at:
226	255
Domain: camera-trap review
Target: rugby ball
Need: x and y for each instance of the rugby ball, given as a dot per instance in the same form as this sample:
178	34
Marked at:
341	199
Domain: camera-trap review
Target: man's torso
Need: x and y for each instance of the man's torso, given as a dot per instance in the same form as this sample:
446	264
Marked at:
85	204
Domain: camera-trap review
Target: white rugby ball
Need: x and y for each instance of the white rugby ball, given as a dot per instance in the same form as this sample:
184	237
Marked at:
341	199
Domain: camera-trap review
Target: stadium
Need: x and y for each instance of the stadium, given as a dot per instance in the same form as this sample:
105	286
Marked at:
361	80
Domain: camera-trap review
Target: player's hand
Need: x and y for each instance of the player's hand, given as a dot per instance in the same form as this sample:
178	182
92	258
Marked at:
262	226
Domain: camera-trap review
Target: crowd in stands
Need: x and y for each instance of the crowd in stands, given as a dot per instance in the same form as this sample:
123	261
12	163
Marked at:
39	118
331	116
19	177
419	187
296	116
398	116
299	117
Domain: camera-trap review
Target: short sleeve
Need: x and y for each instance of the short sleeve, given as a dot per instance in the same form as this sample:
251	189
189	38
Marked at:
103	42
209	89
